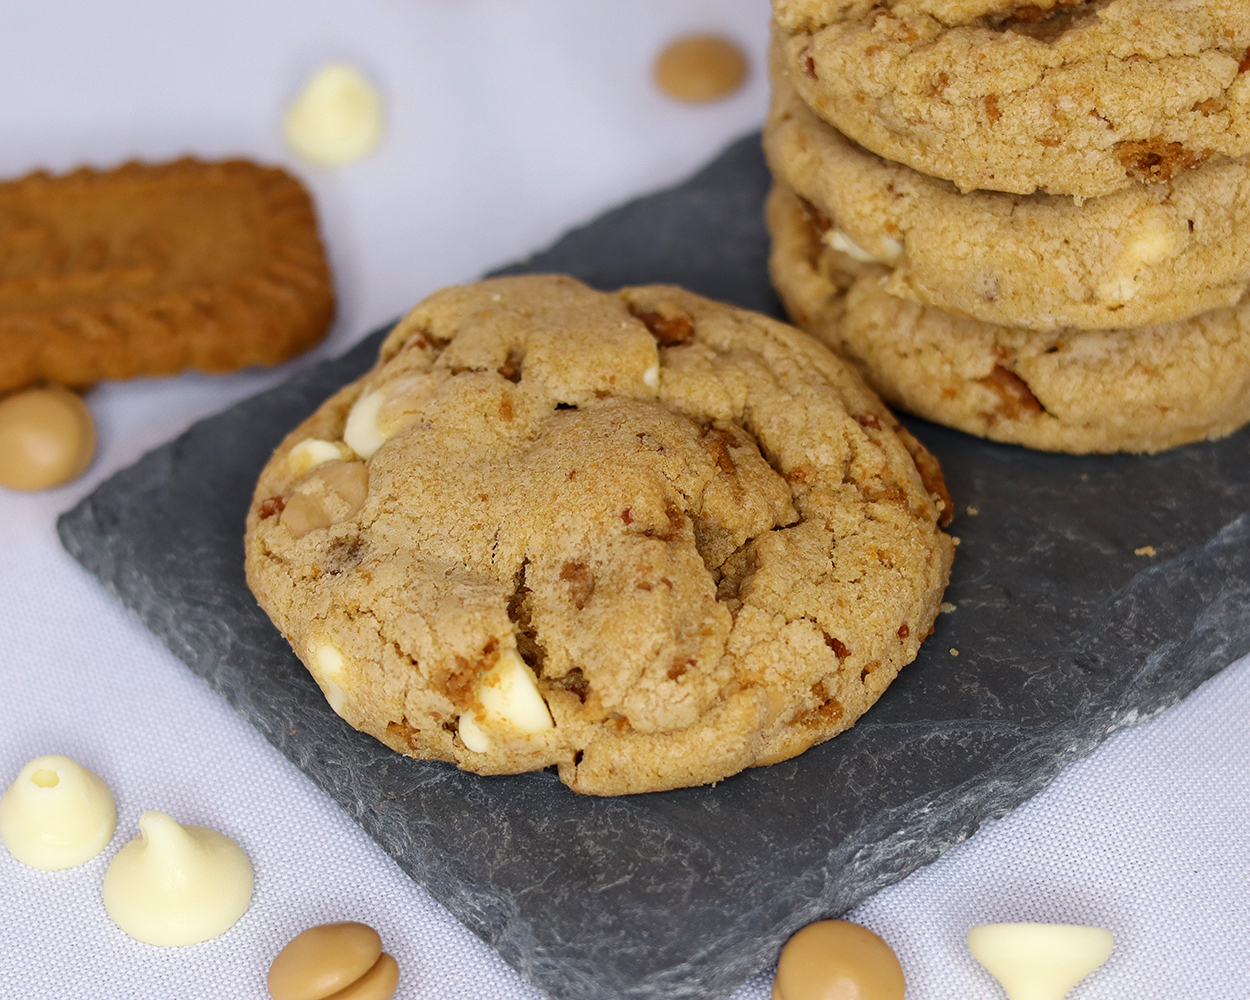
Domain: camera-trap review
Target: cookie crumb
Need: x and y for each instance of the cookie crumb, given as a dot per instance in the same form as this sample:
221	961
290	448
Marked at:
974	511
945	608
1145	550
1153	161
955	540
954	651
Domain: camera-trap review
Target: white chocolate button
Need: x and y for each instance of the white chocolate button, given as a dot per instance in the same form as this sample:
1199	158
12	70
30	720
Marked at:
177	885
362	434
651	377
337	117
56	814
329	667
312	452
1039	961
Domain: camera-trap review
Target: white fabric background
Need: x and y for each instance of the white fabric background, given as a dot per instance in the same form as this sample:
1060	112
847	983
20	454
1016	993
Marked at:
509	121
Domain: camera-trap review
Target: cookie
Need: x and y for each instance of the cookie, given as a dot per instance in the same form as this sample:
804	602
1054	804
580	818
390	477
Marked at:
1141	390
1139	256
148	270
645	537
1077	97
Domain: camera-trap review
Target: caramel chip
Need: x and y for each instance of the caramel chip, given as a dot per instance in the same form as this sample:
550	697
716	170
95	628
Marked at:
834	958
342	959
47	439
700	69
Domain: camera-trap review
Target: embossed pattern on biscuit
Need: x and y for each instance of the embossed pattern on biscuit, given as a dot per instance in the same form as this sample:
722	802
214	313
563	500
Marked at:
148	270
644	537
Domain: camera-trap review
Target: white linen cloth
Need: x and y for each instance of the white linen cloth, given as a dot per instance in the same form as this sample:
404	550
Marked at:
509	120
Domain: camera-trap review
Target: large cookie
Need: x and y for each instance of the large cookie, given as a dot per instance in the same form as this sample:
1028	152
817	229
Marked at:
1078	97
643	536
147	270
1139	390
1144	255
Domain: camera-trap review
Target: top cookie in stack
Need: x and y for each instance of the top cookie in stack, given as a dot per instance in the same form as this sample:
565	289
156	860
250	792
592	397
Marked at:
1026	222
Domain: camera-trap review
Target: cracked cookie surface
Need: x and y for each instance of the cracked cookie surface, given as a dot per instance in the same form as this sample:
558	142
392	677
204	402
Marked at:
1144	255
1138	390
1077	97
644	537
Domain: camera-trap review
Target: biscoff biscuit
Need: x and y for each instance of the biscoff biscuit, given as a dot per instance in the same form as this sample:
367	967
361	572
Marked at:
1076	97
1139	390
646	537
152	269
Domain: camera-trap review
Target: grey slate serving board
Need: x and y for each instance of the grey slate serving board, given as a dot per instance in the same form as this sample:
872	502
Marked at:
1064	635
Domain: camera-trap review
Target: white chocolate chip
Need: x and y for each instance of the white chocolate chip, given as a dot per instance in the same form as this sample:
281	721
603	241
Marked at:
509	702
1153	242
473	736
310	453
651	377
177	885
1121	288
56	814
337	117
328	667
509	693
1039	961
362	434
890	252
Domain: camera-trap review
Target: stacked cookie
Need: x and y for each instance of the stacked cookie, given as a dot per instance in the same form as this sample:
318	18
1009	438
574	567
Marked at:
1029	223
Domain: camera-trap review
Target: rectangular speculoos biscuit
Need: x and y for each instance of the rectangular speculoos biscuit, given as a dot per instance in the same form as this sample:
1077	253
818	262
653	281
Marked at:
149	270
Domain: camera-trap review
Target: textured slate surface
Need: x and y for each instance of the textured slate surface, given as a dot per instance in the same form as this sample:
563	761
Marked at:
1064	635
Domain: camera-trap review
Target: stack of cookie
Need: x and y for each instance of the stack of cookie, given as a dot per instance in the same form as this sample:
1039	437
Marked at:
1029	223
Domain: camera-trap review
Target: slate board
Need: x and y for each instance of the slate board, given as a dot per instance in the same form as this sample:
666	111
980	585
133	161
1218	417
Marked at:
1064	635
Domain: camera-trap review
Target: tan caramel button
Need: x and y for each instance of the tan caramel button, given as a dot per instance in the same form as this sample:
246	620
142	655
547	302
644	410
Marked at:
833	960
700	68
47	438
329	958
304	513
379	983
